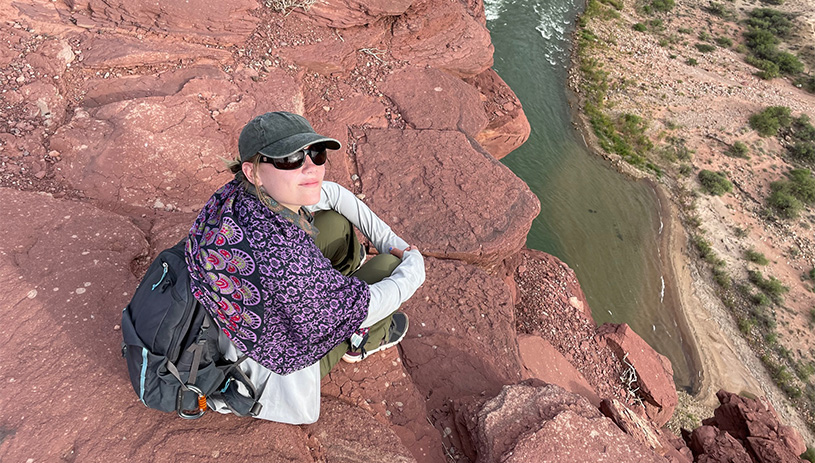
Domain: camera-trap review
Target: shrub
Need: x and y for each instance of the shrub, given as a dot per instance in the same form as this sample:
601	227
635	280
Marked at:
760	299
802	130
725	42
718	9
809	455
787	63
806	82
771	287
715	183
754	256
773	21
802	184
739	150
662	5
721	277
705	47
691	62
785	204
703	246
640	27
685	169
768	69
773	2
746	325
803	151
770	120
685	30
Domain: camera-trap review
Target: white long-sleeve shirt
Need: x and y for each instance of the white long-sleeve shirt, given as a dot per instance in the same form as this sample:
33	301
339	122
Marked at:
295	398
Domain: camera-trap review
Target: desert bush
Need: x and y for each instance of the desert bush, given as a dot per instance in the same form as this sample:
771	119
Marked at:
771	287
721	277
803	151
806	82
725	42
809	455
756	257
770	120
739	150
715	183
773	21
802	185
691	62
785	204
640	27
802	129
705	47
662	6
746	325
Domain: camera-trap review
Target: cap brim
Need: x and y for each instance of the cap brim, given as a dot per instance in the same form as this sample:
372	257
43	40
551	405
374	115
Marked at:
294	143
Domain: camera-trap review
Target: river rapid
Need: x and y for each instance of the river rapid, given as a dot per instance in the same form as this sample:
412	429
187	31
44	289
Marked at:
604	225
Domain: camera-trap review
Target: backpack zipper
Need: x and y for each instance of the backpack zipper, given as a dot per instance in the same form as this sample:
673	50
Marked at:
163	274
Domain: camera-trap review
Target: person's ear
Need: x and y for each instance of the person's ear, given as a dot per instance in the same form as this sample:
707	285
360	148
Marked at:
248	169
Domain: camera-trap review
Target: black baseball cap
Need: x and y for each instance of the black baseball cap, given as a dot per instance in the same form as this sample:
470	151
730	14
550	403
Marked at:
279	134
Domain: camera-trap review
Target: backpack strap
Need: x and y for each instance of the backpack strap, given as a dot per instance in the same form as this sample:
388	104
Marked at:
237	402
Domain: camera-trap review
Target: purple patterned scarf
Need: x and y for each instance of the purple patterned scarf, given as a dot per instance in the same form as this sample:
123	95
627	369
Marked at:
267	285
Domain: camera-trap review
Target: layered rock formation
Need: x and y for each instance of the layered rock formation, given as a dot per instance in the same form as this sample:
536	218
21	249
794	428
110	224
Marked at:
115	121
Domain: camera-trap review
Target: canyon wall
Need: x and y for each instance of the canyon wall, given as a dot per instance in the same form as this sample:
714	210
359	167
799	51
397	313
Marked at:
115	121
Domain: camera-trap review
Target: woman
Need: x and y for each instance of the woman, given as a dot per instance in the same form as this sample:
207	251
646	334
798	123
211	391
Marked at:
285	286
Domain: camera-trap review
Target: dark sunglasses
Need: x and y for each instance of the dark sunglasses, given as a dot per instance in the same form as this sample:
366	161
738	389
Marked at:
296	160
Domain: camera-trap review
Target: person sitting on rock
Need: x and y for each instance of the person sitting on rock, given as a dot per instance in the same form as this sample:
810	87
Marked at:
274	258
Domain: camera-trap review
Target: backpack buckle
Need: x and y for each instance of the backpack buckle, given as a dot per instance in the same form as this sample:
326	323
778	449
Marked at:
202	403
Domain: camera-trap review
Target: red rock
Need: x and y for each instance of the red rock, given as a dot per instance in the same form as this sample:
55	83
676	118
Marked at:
461	340
654	372
754	421
710	445
544	362
772	451
380	386
225	22
349	13
644	432
169	148
507	132
456	105
534	422
442	35
476	221
338	441
105	52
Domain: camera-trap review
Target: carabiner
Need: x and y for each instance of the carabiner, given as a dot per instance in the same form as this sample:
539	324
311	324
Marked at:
202	403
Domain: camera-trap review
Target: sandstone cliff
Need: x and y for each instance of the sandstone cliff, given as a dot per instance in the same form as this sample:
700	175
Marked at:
115	119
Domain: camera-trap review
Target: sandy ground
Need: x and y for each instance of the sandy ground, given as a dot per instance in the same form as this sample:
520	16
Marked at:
707	105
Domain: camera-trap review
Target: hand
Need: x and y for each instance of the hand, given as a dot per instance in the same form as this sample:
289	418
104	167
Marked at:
400	252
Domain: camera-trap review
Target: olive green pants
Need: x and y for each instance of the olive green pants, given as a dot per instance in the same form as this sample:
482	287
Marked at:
339	244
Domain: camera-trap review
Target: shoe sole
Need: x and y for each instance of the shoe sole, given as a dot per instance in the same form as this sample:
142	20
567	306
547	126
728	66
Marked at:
357	358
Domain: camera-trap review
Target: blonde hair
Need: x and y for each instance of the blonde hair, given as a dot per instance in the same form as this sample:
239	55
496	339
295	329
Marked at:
236	167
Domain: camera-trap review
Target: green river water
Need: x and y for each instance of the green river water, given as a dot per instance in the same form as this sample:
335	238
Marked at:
602	224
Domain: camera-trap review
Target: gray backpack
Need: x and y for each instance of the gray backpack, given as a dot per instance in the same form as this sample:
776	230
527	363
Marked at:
170	344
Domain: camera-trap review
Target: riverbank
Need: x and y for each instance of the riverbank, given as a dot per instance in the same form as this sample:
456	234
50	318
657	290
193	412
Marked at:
697	104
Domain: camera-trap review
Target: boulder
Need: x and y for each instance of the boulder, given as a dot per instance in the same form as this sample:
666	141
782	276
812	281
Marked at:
442	35
164	151
456	105
381	388
711	445
653	370
461	340
552	306
542	361
430	186
226	22
349	13
347	434
508	127
644	432
754	424
536	422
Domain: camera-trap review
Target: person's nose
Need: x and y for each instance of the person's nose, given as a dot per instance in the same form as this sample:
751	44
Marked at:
309	165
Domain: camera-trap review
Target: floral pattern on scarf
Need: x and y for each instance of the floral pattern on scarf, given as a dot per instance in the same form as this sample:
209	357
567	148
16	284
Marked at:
267	285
